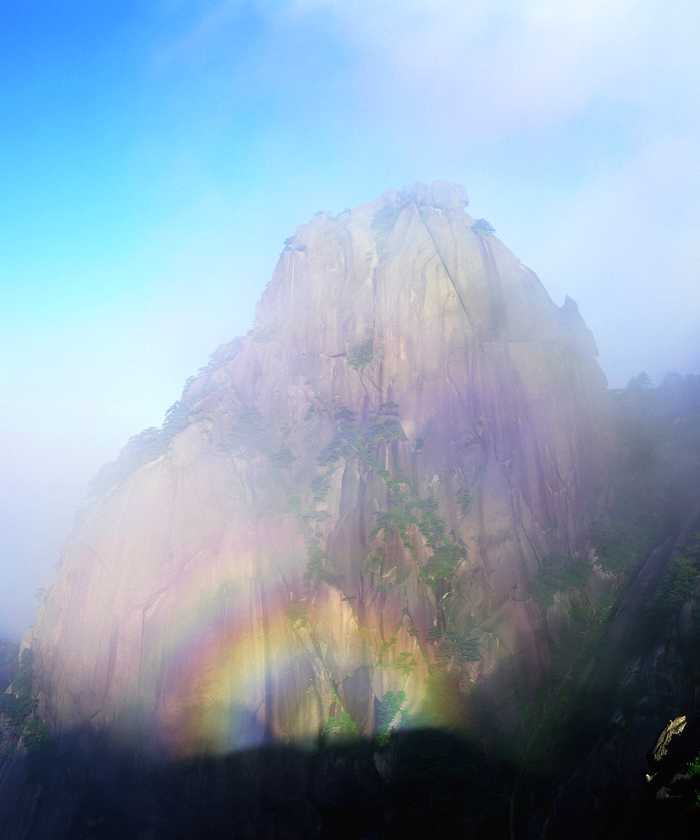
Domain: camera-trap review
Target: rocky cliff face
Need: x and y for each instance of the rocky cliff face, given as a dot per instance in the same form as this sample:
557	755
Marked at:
341	520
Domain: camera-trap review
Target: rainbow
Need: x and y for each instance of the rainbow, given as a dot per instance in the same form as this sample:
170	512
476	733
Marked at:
240	666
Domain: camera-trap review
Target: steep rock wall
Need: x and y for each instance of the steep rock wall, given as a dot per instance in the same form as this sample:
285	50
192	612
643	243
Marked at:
342	516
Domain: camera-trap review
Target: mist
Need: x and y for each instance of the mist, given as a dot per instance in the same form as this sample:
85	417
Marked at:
157	159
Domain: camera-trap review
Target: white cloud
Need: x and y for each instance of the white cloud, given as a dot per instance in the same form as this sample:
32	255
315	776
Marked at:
626	247
495	66
480	69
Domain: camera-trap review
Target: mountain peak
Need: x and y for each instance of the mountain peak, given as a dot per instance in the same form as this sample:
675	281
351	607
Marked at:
443	195
353	495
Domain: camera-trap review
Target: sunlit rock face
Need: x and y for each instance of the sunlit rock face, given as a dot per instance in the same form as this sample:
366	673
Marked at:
340	520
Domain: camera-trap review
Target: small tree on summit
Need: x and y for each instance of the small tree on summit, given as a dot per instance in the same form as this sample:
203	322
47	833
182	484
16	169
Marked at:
483	227
640	382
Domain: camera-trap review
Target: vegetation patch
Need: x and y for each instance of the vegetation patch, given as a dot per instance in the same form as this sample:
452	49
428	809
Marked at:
8	663
620	548
443	564
694	773
361	355
340	725
558	574
317	570
460	648
389	714
18	705
406	663
483	227
676	588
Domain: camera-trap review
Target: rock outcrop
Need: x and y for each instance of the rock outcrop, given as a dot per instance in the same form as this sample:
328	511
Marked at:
340	521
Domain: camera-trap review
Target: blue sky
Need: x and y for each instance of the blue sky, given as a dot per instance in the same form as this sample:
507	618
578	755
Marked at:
155	156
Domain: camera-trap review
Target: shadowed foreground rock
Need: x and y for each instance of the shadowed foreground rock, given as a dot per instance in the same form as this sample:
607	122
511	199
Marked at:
86	787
